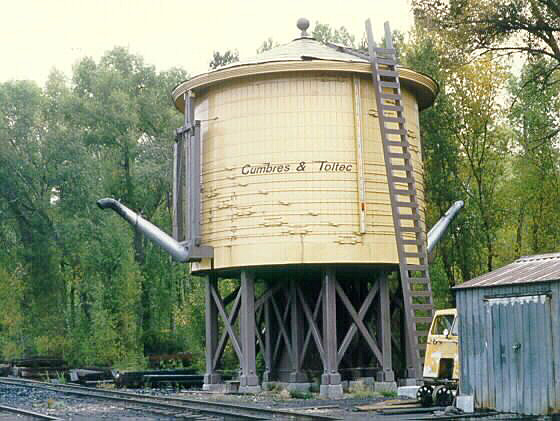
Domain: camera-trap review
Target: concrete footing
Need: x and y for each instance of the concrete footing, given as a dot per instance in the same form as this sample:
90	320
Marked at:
408	382
369	383
381	387
331	391
250	389
232	387
407	391
465	403
291	387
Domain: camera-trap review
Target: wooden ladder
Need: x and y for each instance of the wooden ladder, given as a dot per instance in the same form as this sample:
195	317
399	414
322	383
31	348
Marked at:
409	231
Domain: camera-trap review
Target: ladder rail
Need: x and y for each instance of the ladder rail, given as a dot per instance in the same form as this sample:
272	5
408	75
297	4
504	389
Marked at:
412	254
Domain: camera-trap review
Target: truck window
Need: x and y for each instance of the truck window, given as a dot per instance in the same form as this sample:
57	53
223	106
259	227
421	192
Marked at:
441	323
455	328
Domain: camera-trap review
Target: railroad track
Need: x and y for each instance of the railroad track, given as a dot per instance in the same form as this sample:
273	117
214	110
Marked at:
185	407
26	413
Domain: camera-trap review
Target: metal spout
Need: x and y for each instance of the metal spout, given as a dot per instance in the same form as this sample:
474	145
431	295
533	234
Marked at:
441	226
154	234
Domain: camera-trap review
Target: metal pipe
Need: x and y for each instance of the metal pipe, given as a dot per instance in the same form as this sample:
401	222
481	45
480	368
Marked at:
440	228
154	234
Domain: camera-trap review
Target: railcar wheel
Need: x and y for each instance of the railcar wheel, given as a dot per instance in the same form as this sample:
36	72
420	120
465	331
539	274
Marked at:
425	395
442	396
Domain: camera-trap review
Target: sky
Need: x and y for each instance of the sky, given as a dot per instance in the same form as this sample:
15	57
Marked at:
39	35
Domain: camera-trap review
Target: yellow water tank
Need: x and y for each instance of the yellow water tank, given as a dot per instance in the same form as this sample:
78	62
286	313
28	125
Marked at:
292	160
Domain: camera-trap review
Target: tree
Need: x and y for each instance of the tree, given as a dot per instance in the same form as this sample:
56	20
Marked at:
325	33
536	127
126	117
268	44
525	26
219	59
109	132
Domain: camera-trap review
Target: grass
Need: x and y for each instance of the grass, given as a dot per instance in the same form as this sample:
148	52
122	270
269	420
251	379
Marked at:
296	394
388	393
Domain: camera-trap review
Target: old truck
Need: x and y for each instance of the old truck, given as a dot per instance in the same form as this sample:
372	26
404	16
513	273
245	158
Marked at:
441	362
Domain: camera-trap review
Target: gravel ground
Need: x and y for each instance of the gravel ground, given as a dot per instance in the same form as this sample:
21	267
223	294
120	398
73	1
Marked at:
69	407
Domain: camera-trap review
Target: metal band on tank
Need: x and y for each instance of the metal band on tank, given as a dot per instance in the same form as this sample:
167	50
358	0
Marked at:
359	152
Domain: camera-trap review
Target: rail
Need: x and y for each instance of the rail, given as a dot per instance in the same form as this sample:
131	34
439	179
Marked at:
224	410
27	413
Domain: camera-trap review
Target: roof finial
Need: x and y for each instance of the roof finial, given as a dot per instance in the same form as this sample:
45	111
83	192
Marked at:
302	25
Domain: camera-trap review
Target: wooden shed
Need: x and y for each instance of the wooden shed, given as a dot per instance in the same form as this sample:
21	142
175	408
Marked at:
509	337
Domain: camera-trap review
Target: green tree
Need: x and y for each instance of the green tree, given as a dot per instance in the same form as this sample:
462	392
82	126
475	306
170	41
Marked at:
325	33
536	190
268	44
511	26
219	59
107	132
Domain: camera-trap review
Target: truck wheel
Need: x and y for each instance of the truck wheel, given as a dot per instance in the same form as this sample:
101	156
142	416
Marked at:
442	396
425	395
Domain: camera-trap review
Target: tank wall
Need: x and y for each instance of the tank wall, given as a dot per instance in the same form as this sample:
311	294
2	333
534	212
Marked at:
280	181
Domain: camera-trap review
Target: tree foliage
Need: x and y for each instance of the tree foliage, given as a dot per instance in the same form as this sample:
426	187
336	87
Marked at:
219	59
326	33
80	283
527	26
83	284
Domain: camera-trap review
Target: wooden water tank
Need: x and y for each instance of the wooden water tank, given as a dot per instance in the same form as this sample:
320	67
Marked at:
292	160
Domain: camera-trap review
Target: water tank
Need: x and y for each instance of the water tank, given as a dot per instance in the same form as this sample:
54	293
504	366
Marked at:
292	162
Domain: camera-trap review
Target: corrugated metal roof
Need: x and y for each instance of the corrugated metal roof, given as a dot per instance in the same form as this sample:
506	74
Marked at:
526	269
300	49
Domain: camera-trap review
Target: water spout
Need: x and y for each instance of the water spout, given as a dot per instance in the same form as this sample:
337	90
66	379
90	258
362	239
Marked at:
441	226
178	252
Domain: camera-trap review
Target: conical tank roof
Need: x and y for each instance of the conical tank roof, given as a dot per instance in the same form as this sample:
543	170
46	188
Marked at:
303	49
306	54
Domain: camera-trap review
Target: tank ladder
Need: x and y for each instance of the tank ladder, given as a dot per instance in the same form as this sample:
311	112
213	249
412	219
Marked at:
409	231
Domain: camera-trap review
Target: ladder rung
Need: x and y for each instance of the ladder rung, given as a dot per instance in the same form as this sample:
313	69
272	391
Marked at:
387	95
399	155
420	294
418	280
407	180
406	205
388	73
381	50
422	268
409	229
393	85
423	320
393	119
421	306
401	167
414	217
409	242
404	192
386	61
401	132
388	107
406	254
397	143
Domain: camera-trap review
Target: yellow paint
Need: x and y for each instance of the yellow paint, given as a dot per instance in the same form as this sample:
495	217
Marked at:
280	174
441	346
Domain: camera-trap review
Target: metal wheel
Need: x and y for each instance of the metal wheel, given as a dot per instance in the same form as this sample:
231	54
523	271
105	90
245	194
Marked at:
442	396
425	395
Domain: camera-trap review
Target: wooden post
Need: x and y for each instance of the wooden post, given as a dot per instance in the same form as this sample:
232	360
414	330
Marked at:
331	386
296	328
211	377
387	374
248	381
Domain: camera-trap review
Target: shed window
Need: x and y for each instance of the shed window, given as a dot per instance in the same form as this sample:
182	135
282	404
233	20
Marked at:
441	323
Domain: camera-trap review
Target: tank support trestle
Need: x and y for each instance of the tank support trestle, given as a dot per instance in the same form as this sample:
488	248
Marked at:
306	329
